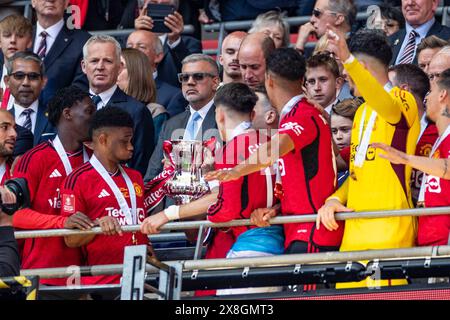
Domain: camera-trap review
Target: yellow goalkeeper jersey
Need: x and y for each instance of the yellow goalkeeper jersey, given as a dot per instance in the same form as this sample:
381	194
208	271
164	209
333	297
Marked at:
377	184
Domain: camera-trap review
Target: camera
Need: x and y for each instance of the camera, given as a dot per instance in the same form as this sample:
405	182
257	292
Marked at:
19	187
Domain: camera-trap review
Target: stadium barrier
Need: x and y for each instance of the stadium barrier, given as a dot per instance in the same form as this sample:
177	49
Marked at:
22	287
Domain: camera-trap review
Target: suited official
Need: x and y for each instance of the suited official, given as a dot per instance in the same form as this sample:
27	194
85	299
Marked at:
26	79
175	46
101	63
420	23
167	95
59	44
199	121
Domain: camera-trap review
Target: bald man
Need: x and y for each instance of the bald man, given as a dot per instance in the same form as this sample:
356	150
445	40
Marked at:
254	50
167	95
229	57
439	63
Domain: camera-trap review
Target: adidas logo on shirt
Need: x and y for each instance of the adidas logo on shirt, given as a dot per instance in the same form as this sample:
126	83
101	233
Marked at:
55	174
103	194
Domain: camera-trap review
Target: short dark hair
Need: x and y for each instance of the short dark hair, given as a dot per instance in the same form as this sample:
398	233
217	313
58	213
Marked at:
323	59
443	81
431	42
25	55
110	117
392	13
414	77
64	98
373	43
287	63
236	97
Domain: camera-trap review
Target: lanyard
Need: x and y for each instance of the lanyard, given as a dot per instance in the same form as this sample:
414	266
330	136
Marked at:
63	155
2	170
131	214
364	142
433	150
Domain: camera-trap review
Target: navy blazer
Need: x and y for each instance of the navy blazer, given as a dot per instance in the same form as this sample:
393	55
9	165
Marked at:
170	97
170	65
143	137
396	40
63	62
24	141
175	124
43	129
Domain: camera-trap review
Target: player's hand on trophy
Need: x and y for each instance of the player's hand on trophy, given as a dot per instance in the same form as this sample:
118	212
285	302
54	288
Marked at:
79	221
261	217
222	175
337	43
110	226
152	224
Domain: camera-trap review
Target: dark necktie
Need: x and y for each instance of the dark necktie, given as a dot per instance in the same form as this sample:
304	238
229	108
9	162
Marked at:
96	99
42	51
410	48
27	114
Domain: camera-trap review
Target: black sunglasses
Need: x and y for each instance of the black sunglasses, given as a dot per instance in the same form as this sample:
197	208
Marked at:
197	76
317	13
32	76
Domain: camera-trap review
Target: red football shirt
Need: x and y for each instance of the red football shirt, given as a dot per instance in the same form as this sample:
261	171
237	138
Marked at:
308	173
86	191
44	171
434	230
239	198
7	174
423	149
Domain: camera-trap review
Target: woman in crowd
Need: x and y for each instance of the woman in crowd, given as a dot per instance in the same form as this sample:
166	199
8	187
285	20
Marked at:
137	81
274	25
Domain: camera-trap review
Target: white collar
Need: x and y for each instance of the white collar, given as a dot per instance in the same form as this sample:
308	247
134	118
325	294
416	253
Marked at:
163	38
289	105
422	30
240	129
330	106
4	73
105	95
204	110
52	31
19	109
155	74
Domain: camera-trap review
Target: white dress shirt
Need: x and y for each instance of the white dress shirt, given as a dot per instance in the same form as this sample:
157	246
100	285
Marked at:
105	96
2	82
202	112
21	118
421	30
163	38
330	106
52	32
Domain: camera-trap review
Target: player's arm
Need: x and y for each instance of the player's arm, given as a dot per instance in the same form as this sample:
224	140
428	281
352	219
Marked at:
76	241
227	206
372	91
261	216
431	166
279	145
29	219
195	208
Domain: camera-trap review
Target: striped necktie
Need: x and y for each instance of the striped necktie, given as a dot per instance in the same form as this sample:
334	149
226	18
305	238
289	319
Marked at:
27	114
42	51
410	48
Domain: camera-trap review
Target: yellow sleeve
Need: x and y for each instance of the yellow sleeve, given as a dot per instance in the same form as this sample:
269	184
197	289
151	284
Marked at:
373	92
341	194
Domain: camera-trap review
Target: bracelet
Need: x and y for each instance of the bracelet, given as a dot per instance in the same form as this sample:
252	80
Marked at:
172	212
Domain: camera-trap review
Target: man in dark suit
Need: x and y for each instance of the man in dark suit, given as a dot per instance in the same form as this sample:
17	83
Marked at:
420	23
167	95
59	44
26	80
101	64
175	46
200	79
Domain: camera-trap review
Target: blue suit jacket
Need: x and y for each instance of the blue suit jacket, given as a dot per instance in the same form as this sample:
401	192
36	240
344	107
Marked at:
170	97
396	40
143	137
170	65
43	129
63	62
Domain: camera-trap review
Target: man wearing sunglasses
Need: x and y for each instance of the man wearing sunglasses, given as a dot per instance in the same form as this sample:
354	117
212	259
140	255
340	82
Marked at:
339	13
199	80
26	80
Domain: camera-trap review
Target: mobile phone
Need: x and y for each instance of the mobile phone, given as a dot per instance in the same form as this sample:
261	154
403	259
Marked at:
158	12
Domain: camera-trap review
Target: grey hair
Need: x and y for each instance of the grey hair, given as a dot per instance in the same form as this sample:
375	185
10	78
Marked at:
196	57
102	39
269	18
445	50
345	7
29	56
158	46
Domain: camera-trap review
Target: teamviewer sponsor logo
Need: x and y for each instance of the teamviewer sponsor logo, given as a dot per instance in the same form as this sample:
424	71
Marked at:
103	194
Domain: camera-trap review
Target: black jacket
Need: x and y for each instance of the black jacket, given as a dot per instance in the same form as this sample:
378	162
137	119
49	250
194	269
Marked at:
9	253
